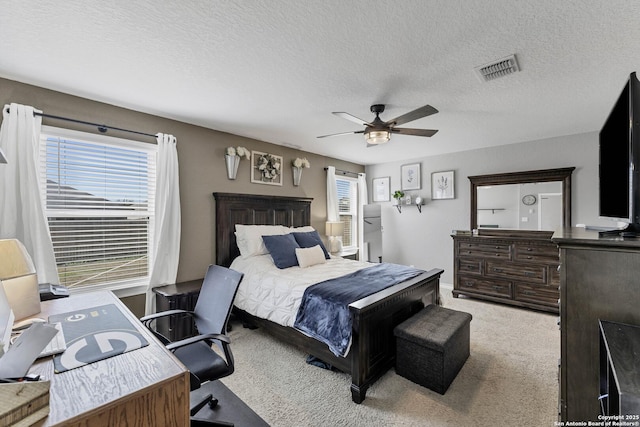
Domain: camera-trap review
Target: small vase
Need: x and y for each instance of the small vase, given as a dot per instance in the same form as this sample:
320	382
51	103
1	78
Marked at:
297	175
232	165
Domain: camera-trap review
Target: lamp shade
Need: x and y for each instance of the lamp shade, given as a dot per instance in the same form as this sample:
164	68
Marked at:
334	228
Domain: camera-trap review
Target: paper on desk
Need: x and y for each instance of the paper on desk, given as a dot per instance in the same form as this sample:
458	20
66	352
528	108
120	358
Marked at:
15	363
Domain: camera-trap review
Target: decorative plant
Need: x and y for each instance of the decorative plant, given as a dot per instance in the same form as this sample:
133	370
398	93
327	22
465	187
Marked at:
398	194
240	152
268	166
300	163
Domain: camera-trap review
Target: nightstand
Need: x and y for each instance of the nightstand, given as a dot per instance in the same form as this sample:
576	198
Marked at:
348	254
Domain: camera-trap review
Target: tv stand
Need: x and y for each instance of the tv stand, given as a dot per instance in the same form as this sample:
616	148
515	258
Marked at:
630	231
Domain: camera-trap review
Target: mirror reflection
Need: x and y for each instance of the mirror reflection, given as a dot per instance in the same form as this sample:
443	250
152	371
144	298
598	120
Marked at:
538	200
526	206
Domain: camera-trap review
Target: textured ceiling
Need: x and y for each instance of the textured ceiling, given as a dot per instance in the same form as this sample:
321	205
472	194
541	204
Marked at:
275	70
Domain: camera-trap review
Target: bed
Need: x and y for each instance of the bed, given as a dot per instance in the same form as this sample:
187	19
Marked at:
372	350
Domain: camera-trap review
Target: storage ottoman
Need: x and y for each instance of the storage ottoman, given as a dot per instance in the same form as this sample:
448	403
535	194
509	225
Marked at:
432	346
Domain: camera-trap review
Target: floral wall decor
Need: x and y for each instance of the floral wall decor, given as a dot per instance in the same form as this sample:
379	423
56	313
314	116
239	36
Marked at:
232	157
442	185
296	167
266	168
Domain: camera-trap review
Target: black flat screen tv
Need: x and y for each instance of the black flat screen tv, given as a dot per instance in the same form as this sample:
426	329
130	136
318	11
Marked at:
620	159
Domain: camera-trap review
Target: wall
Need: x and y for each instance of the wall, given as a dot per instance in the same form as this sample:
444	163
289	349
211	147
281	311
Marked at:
201	164
423	239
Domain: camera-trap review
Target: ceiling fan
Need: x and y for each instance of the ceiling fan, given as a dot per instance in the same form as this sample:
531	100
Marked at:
378	132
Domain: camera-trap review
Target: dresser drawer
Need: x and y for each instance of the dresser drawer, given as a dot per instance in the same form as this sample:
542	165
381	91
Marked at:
485	250
469	266
540	253
497	288
537	294
529	273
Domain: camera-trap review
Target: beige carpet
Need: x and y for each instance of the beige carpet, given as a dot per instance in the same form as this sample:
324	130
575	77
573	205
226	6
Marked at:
509	379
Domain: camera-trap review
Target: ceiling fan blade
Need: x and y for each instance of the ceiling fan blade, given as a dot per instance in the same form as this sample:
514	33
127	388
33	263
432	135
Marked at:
414	132
340	134
416	114
351	118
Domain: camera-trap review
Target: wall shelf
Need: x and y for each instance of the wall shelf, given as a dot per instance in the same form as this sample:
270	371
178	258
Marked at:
399	207
493	210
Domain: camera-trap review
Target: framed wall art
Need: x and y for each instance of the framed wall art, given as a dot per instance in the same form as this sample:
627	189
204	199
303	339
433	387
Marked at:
442	185
266	168
410	176
381	189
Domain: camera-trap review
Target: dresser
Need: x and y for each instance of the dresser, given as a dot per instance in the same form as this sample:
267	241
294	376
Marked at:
507	266
599	280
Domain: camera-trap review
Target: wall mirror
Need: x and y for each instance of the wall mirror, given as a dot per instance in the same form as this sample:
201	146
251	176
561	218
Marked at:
529	200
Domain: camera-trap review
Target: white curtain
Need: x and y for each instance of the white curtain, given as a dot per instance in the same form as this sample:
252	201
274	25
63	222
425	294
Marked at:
333	213
166	244
22	214
363	199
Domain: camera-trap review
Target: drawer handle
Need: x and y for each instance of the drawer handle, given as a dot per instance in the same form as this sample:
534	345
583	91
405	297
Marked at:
497	254
529	257
529	274
469	267
529	292
468	252
497	287
529	249
497	270
469	284
497	247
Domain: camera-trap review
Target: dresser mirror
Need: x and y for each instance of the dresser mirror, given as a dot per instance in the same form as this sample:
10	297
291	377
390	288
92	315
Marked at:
530	200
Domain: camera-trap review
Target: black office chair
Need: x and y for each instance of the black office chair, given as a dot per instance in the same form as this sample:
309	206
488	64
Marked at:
211	315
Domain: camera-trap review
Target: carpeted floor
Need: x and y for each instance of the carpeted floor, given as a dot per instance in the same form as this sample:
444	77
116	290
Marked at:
509	379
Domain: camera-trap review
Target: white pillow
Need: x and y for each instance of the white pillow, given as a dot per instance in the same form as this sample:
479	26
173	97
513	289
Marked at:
310	256
303	229
249	238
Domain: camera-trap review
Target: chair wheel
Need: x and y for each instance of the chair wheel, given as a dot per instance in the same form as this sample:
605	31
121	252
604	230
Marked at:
213	403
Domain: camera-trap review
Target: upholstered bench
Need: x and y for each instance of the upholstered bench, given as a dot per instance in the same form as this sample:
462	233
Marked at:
432	346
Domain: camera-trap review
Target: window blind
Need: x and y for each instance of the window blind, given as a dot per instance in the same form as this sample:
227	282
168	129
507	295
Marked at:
99	195
348	209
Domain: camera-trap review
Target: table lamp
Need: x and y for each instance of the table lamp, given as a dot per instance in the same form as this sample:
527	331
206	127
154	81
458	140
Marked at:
18	278
334	229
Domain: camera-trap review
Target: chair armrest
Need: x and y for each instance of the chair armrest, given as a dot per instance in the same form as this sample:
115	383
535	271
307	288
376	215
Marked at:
154	316
191	340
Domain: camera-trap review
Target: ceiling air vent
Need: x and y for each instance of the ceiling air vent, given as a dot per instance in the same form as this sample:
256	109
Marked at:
496	69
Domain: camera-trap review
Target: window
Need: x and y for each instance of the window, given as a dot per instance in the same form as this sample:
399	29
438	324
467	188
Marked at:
348	210
98	193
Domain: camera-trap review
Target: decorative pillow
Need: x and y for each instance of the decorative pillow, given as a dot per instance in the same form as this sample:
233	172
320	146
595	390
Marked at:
282	249
249	238
303	229
310	239
310	256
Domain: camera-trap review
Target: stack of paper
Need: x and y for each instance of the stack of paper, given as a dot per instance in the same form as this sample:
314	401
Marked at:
6	321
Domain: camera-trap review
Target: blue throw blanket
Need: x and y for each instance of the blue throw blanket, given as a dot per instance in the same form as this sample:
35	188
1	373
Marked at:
324	312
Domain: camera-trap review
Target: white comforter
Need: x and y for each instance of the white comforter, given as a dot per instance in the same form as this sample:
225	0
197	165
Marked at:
274	294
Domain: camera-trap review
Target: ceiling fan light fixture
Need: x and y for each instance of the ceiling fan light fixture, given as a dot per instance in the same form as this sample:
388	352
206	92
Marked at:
376	137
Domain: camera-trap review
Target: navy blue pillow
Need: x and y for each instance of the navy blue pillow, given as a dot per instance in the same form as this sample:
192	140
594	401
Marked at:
282	249
309	240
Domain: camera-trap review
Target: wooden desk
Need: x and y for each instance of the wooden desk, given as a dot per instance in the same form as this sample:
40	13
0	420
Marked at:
144	387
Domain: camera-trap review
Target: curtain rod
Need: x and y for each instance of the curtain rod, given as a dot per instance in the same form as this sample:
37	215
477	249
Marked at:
101	128
345	172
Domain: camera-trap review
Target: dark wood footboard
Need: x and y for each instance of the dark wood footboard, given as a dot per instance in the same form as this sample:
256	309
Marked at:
373	347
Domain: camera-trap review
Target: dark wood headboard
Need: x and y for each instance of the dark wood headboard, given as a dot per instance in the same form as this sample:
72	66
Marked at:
251	209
